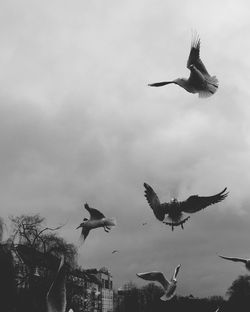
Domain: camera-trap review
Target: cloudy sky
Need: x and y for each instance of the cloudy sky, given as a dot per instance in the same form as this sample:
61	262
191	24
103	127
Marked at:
78	123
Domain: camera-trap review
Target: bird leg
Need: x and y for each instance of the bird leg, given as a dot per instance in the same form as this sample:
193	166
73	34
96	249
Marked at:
106	228
180	223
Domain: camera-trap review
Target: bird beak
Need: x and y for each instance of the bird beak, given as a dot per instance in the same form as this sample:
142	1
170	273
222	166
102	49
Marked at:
78	227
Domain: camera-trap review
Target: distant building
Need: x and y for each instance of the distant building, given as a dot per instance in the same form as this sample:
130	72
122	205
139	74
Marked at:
106	289
88	290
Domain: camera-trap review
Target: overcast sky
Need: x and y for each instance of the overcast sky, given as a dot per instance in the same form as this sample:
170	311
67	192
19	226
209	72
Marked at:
78	123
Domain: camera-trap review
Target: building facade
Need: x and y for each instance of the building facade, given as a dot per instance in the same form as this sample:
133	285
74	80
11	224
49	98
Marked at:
88	290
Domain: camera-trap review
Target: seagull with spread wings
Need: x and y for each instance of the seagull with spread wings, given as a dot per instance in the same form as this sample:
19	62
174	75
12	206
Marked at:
169	286
56	295
97	219
199	80
245	261
172	213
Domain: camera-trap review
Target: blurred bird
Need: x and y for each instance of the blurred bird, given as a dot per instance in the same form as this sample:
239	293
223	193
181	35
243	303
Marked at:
56	295
172	213
144	223
245	261
114	251
97	219
199	80
169	286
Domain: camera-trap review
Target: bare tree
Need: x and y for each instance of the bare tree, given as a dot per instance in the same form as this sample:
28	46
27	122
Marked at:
30	231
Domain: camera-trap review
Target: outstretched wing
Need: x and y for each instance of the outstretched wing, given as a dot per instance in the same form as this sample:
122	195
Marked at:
56	296
176	271
94	213
233	259
195	203
154	202
154	276
194	56
84	234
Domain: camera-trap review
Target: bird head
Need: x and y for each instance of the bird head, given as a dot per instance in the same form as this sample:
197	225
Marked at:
173	200
83	223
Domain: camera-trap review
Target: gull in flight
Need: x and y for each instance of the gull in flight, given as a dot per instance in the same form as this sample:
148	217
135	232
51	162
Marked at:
114	251
172	213
169	286
245	261
56	295
97	219
199	80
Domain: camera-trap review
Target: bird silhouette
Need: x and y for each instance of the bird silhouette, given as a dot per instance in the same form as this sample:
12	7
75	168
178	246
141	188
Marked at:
114	251
245	261
56	295
169	286
199	80
97	219
172	213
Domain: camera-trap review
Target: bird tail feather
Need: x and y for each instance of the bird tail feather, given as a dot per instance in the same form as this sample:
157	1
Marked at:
211	88
110	222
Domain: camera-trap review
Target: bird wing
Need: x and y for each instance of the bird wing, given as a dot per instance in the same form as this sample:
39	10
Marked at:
195	203
154	276
234	259
154	202
194	56
84	234
56	296
176	271
94	213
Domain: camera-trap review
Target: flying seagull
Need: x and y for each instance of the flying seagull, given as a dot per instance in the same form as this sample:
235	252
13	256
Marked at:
245	261
97	219
56	295
169	286
114	251
172	213
199	80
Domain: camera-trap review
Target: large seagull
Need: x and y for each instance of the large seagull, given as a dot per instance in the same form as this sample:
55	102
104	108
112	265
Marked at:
169	286
199	80
172	213
97	219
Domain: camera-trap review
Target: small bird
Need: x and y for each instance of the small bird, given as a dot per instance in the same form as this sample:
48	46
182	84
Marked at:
245	261
144	223
172	213
199	80
169	286
97	219
56	295
114	251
